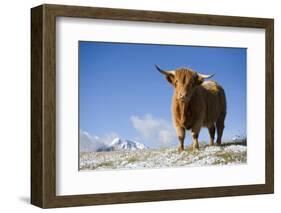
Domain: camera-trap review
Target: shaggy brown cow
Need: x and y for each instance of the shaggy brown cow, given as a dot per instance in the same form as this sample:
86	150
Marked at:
196	104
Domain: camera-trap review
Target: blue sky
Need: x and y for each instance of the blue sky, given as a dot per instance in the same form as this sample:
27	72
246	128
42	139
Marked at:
122	94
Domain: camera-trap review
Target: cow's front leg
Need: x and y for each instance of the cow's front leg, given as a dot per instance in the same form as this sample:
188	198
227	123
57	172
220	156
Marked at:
181	135
195	134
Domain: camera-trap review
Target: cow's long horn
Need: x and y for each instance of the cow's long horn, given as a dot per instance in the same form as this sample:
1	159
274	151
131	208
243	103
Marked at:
205	76
165	72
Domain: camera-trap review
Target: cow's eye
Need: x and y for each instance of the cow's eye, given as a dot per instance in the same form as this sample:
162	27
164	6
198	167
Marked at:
192	83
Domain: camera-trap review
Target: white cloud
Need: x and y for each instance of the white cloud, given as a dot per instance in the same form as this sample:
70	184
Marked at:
154	130
108	138
92	143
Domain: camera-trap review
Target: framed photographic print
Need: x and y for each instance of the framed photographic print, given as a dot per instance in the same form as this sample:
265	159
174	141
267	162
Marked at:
136	106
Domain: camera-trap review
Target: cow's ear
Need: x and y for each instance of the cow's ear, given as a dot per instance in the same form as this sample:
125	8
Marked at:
170	75
170	78
199	80
202	77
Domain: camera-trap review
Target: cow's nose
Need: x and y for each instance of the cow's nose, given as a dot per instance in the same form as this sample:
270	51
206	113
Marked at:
182	96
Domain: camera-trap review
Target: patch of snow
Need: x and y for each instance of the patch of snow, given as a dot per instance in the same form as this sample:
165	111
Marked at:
134	156
235	148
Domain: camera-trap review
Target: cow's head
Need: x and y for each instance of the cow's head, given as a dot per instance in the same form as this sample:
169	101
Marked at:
184	81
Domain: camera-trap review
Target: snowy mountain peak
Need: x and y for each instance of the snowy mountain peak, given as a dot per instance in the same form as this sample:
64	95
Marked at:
116	141
119	144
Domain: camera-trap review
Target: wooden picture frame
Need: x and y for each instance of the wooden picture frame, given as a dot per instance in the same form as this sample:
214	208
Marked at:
43	105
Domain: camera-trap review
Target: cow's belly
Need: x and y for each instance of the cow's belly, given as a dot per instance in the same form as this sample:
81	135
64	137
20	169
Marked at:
211	117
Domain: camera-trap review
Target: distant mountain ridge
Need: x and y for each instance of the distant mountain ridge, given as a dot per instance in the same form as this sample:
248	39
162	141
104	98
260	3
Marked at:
89	143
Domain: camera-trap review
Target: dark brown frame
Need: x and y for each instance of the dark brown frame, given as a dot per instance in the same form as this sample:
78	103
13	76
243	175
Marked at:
43	105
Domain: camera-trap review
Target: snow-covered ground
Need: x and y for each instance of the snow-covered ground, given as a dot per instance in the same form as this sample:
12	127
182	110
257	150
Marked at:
166	157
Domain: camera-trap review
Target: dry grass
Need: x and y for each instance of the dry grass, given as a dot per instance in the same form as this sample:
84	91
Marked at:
230	154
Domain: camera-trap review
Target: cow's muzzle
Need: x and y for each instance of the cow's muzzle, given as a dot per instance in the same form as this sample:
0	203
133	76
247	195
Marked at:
184	98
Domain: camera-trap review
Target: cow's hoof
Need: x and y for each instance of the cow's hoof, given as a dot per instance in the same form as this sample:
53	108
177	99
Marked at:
195	147
180	149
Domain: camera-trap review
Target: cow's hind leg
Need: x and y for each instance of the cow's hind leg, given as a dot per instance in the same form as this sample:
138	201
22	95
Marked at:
181	135
212	131
220	127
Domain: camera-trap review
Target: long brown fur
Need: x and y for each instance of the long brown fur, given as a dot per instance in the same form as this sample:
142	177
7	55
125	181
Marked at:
196	103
